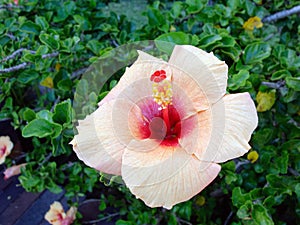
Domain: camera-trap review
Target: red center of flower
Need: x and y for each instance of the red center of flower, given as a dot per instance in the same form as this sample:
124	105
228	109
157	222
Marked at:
158	76
164	124
2	150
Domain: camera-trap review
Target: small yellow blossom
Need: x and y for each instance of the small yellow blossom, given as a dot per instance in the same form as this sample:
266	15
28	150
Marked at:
253	156
200	200
172	28
47	82
265	100
253	22
57	66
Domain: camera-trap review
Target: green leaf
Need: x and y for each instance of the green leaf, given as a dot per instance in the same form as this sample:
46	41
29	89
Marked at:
44	114
238	199
83	22
232	52
43	49
27	76
238	80
41	128
28	115
94	46
293	82
63	112
256	52
245	210
166	42
155	17
30	27
123	222
280	74
209	40
4	40
49	41
194	6
42	22
260	215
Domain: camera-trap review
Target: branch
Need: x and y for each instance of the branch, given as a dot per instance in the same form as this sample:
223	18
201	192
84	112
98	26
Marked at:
282	14
102	219
23	65
50	55
14	68
228	218
78	72
276	85
13	55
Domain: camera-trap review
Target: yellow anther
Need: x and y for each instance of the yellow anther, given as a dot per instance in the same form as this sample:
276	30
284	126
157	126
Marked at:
162	93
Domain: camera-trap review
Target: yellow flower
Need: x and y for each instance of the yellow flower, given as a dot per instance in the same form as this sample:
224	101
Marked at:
5	148
172	28
57	66
253	156
166	125
253	22
47	82
200	200
265	100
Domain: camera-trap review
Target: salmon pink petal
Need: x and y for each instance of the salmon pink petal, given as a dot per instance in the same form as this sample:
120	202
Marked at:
101	140
204	68
141	69
5	147
56	213
165	176
13	171
227	136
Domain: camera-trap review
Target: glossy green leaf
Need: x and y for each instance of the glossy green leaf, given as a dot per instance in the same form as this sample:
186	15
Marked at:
166	42
260	215
30	27
63	112
256	52
41	128
50	41
27	76
293	82
238	80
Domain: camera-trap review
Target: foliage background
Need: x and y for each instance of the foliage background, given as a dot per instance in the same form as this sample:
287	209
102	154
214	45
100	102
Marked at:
56	45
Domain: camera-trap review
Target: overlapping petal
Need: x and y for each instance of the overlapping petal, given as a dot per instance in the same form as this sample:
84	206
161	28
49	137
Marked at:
230	124
208	71
99	144
139	73
166	176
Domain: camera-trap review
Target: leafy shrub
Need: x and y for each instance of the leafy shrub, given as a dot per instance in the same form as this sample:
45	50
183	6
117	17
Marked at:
51	46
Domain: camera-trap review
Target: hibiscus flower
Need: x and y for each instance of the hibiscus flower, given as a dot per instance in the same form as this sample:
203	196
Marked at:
5	147
57	216
166	125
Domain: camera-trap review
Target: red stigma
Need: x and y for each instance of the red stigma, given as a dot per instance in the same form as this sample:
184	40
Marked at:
158	76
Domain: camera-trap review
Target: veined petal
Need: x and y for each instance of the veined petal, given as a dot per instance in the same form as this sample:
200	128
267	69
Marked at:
5	147
103	135
139	72
204	68
233	119
165	176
